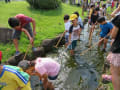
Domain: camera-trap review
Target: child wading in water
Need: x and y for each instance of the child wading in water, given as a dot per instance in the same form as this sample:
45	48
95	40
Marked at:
114	55
94	18
67	24
74	33
105	31
90	13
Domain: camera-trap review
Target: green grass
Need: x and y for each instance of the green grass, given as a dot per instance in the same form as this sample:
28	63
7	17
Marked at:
48	23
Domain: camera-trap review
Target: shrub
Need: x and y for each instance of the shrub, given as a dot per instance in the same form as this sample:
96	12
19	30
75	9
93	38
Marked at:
44	4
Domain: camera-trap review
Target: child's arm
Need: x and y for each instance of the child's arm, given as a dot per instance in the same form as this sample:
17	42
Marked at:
26	32
34	26
115	11
109	33
114	32
31	71
69	38
80	30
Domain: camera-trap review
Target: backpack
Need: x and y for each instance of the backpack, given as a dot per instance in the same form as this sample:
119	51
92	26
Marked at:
71	28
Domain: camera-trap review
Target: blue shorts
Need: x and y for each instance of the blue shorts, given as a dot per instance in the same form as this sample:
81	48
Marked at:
53	78
17	33
72	45
66	38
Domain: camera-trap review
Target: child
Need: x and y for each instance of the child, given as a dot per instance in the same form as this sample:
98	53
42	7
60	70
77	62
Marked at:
103	10
90	13
13	78
67	26
74	33
79	19
0	56
45	68
114	55
21	23
105	31
94	18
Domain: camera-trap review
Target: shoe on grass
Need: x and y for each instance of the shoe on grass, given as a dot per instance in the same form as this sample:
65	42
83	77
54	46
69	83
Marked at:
34	49
17	53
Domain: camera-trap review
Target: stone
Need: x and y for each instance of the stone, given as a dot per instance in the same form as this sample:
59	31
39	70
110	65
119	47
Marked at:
47	44
40	52
14	60
5	35
62	42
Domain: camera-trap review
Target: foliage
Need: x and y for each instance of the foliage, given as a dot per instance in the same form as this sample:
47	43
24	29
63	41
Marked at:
44	4
48	23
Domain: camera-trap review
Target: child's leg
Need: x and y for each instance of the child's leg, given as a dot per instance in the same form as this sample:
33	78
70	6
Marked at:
72	52
73	44
66	40
99	44
15	41
105	43
91	33
115	71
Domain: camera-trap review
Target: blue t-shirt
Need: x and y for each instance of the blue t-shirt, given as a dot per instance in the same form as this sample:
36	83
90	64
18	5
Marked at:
105	29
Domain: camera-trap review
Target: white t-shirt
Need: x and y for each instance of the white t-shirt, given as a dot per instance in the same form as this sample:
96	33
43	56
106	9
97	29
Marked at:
75	33
67	27
102	10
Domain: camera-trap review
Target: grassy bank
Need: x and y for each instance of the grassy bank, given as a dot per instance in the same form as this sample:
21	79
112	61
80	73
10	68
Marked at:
48	23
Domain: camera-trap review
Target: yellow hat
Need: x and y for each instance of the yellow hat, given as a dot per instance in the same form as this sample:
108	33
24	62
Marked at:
73	17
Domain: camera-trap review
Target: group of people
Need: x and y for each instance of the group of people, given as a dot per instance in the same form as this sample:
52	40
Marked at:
108	30
18	78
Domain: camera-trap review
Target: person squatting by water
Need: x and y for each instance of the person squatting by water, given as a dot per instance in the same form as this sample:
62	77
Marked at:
45	68
21	23
13	78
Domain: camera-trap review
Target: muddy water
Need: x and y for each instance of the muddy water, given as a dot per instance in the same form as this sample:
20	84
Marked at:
81	72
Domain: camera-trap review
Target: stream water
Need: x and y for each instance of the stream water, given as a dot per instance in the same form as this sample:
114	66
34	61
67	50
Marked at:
81	72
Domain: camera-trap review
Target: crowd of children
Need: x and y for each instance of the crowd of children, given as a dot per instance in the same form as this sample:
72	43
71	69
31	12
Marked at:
18	78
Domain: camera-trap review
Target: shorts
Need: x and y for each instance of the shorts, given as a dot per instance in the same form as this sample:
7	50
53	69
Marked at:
17	33
66	38
104	37
72	45
53	77
114	58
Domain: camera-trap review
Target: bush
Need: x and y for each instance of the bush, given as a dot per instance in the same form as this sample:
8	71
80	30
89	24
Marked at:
44	4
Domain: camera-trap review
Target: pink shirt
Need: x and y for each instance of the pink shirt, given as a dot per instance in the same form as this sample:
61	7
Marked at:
47	66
